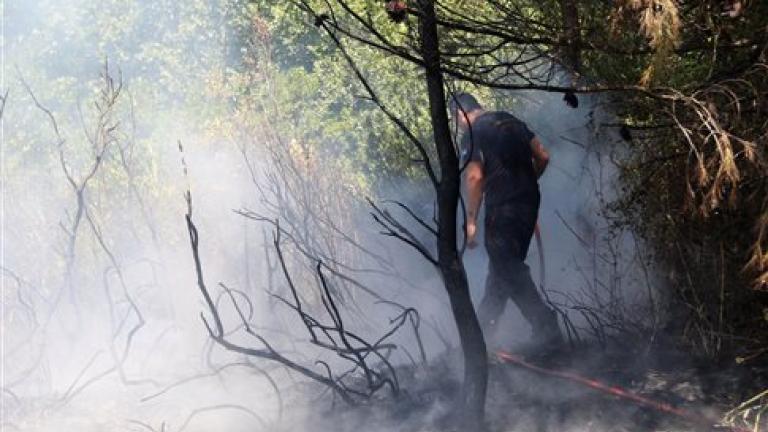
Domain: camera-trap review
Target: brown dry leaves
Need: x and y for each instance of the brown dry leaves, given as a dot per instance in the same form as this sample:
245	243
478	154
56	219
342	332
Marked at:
659	22
722	127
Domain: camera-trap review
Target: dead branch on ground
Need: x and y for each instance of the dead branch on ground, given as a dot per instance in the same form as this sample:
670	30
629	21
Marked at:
333	336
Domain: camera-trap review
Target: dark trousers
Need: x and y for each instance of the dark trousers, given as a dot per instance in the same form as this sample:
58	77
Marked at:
508	231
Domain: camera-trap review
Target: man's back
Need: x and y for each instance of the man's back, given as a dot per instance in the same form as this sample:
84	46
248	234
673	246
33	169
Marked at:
501	142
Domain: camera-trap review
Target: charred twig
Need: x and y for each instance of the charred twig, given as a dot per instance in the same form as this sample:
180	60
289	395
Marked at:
10	393
346	350
437	328
101	140
415	319
3	100
393	228
371	374
119	357
300	245
418	219
147	426
125	155
217	332
216	372
236	407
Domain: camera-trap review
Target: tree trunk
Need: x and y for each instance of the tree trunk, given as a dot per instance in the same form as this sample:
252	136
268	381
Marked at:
451	265
572	35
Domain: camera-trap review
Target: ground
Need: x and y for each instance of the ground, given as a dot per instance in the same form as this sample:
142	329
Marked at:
697	391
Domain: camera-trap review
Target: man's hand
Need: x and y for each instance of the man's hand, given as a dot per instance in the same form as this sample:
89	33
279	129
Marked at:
471	234
475	183
540	156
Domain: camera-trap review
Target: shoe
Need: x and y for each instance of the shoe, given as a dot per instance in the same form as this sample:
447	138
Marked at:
548	350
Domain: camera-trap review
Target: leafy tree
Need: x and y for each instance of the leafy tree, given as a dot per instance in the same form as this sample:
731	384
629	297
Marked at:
687	82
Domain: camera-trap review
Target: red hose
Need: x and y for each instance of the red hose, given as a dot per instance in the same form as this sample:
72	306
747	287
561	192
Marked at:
695	418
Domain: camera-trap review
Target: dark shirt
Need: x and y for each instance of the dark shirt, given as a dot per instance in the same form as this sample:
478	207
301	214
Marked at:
501	143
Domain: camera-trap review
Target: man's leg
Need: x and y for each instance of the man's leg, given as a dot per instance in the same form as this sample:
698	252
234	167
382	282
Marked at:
508	236
492	305
542	318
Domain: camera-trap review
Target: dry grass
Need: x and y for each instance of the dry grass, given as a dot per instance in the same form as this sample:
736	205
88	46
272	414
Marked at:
752	414
726	139
758	262
659	22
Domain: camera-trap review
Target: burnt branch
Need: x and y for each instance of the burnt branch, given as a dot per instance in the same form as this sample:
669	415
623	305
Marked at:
3	100
220	407
394	228
102	138
333	336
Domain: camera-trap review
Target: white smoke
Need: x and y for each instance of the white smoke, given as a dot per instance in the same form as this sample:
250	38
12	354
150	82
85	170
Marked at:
59	369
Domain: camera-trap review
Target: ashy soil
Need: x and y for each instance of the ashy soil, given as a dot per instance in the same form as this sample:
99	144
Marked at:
681	394
659	392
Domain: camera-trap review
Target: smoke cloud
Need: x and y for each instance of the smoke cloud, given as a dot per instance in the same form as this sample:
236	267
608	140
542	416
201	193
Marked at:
118	343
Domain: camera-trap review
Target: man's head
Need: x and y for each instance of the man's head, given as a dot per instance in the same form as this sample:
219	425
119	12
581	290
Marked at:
464	108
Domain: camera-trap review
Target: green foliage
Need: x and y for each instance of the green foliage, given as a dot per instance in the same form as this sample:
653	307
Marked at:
310	95
160	51
678	189
705	231
223	68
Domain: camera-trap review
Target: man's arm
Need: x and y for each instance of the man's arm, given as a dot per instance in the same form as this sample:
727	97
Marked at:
540	156
475	181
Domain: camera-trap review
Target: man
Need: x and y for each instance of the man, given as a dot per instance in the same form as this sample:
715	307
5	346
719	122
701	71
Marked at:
504	160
